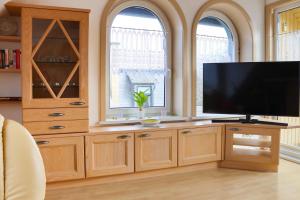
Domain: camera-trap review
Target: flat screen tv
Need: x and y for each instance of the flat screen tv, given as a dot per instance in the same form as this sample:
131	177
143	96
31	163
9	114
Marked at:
252	88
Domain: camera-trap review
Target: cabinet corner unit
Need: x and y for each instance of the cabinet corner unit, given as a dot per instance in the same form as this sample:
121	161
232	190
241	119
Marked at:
252	147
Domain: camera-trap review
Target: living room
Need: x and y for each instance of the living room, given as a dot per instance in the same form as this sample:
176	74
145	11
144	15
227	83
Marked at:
149	99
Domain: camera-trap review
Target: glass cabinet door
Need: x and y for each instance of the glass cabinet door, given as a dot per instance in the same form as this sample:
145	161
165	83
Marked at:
55	58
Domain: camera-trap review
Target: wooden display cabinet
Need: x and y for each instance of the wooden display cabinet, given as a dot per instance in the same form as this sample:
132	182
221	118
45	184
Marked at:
199	145
109	154
54	44
54	58
155	150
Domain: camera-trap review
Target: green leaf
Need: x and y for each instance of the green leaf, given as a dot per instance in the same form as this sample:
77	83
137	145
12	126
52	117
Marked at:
140	98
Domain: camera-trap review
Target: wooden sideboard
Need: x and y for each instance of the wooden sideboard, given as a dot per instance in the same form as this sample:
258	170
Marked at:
133	150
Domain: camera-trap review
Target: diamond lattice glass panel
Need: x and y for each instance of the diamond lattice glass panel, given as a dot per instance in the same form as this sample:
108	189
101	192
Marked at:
72	27
39	26
39	90
72	90
55	57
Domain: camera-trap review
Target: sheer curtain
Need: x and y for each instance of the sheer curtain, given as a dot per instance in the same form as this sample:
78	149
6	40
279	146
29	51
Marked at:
288	46
288	49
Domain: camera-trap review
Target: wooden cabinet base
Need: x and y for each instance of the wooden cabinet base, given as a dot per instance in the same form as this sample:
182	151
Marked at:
132	176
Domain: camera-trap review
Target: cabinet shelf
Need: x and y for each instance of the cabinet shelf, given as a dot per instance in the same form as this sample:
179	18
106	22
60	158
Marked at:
10	70
5	38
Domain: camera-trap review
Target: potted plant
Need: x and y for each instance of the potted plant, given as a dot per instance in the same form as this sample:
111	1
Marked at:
140	99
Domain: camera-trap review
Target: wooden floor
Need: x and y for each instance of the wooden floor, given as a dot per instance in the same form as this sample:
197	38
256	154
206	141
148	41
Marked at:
210	184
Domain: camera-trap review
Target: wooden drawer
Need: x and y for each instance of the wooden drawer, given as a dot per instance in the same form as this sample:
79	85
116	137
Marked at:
109	154
53	127
63	157
56	114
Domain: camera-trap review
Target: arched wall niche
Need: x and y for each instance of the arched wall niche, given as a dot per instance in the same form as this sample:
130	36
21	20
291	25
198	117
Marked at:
172	17
243	25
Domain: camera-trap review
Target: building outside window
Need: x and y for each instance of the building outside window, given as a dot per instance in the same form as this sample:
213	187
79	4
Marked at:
215	43
138	60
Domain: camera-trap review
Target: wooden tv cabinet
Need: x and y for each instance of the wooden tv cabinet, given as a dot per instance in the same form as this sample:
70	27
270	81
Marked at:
115	153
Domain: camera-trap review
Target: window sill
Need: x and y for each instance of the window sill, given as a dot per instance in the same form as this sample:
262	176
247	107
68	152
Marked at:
131	121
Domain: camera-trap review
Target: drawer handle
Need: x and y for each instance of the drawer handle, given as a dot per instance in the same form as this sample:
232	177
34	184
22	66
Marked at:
123	137
144	135
42	142
186	132
234	129
77	103
56	114
56	127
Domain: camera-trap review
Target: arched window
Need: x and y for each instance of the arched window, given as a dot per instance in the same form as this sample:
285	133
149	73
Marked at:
216	42
138	61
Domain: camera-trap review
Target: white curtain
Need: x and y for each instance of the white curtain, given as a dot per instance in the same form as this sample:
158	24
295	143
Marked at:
288	49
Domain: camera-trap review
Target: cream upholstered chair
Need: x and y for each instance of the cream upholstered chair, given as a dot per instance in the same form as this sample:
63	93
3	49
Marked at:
22	174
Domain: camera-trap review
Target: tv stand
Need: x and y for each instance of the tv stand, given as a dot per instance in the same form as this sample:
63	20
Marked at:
248	120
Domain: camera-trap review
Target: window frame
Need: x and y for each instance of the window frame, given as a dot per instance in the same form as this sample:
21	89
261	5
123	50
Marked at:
227	21
112	112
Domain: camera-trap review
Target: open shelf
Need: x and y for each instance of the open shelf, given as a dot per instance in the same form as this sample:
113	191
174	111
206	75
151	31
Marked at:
10	99
10	70
5	38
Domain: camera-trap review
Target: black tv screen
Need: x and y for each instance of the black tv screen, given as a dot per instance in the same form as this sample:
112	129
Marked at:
258	88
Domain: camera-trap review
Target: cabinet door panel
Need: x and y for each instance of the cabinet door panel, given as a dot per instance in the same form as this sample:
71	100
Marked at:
63	157
199	145
155	150
109	154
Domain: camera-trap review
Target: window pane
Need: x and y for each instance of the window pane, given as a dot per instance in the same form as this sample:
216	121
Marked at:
214	44
137	58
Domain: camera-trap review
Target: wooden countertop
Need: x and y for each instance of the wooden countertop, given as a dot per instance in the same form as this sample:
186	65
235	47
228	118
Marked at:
163	126
103	130
178	125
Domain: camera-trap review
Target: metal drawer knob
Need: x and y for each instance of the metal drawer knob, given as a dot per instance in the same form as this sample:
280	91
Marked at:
56	127
186	132
42	142
123	137
144	135
234	129
56	114
77	103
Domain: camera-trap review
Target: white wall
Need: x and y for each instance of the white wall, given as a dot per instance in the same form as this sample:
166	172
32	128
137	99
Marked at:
255	9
